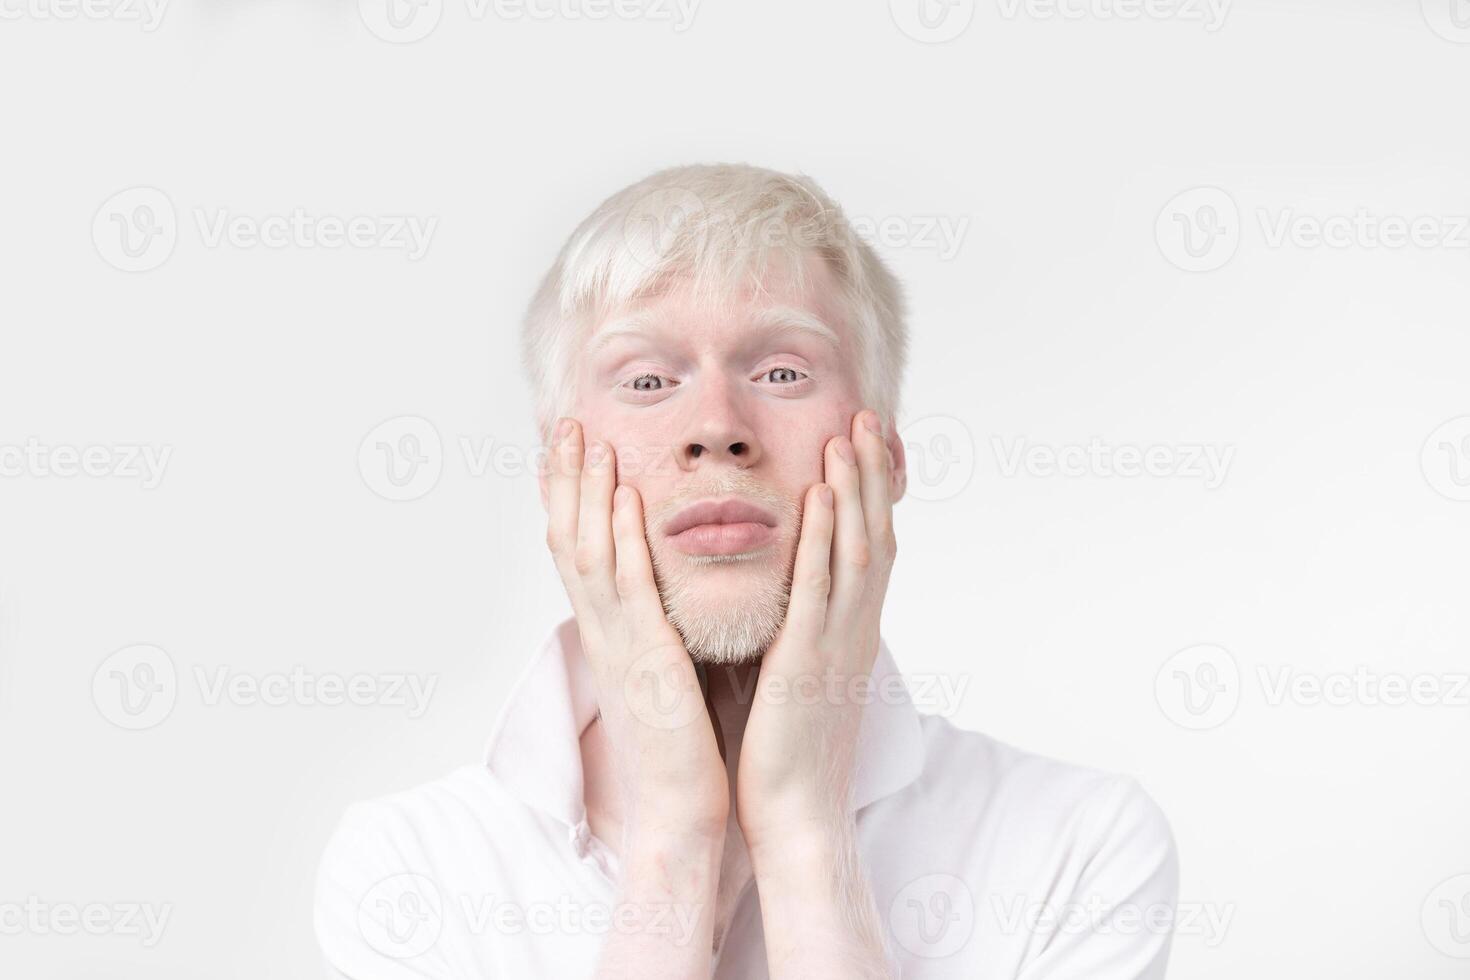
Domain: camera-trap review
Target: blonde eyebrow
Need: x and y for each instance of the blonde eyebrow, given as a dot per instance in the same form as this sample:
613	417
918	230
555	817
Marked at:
774	319
779	318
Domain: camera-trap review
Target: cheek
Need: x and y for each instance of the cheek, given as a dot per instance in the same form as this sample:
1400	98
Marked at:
799	449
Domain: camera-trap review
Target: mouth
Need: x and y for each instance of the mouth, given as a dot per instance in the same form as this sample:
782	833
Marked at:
721	527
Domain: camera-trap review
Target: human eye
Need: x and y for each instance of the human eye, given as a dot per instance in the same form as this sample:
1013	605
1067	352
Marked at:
784	376
648	383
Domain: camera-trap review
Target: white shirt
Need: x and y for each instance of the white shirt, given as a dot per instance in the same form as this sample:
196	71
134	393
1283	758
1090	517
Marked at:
984	861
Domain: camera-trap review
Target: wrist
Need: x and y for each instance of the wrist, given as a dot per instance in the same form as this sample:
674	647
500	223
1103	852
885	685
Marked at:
803	847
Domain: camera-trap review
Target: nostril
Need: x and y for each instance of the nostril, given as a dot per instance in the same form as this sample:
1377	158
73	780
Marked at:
695	450
737	449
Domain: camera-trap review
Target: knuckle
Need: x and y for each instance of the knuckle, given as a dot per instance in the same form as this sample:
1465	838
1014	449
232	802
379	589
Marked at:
818	583
555	541
627	582
860	556
585	560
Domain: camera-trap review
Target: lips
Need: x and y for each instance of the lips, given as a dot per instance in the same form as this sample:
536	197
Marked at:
723	527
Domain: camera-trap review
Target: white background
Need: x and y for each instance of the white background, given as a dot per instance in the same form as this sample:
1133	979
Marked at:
1330	834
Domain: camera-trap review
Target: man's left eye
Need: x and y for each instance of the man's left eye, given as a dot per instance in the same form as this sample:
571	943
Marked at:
783	375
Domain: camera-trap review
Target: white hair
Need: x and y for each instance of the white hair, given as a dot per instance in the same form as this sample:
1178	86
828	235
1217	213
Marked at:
724	227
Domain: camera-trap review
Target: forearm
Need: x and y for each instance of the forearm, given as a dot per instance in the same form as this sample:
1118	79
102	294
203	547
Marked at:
817	909
663	922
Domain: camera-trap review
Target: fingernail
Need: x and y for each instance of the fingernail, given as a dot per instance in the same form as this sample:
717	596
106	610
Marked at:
870	421
824	494
844	449
621	496
596	454
562	429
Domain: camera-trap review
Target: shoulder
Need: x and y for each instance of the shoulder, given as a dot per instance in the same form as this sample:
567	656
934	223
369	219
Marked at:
984	775
1029	818
1073	869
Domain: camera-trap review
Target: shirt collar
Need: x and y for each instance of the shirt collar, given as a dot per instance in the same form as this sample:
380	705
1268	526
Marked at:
535	752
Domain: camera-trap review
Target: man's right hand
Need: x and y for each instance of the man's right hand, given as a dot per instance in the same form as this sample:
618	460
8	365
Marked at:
668	763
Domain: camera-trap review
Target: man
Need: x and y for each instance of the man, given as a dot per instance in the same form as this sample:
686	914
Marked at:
712	769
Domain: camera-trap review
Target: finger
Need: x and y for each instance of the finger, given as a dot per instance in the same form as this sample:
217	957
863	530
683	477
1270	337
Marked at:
564	479
850	553
811	576
874	472
633	577
594	552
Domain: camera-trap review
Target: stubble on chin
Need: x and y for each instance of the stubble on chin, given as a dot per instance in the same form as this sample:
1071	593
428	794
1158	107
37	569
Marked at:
737	625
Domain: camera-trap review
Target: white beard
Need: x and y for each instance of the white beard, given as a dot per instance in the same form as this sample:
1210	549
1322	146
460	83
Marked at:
741	628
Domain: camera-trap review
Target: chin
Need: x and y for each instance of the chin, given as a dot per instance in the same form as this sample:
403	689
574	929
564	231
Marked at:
727	608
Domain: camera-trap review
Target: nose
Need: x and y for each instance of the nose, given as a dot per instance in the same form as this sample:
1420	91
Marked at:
718	430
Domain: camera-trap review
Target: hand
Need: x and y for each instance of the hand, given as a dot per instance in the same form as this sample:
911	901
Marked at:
794	782
664	751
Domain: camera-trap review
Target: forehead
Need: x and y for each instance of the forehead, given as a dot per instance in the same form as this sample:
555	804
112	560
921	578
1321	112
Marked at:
780	304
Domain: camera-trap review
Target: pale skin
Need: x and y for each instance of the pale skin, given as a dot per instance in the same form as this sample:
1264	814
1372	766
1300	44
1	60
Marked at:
661	785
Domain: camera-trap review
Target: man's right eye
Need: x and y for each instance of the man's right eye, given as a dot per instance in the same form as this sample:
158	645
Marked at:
648	382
